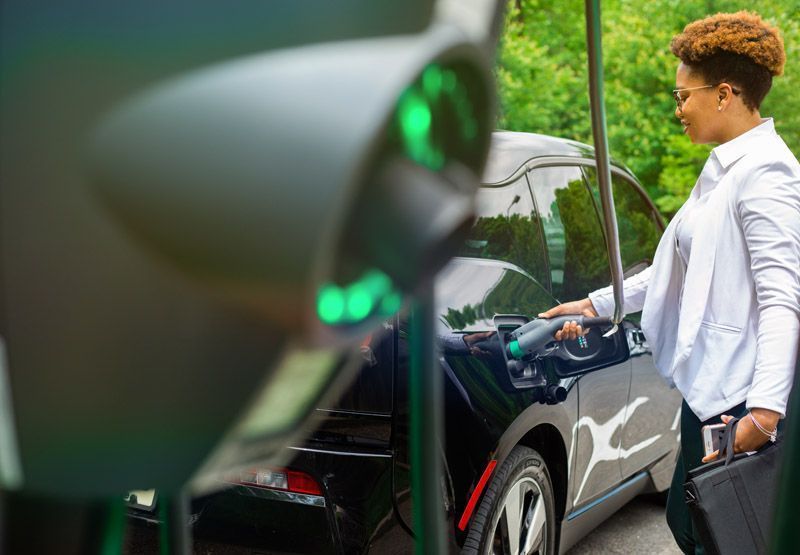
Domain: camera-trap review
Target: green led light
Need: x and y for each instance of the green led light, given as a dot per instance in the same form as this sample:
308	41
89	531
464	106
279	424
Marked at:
432	81
377	283
415	115
359	302
415	122
427	112
330	304
391	303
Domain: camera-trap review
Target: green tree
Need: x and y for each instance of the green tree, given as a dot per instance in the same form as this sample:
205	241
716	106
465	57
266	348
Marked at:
542	78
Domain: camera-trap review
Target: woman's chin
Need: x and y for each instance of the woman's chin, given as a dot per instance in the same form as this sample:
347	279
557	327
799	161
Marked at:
696	140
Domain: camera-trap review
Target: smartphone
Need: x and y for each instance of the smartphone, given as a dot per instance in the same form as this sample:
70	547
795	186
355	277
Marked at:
711	437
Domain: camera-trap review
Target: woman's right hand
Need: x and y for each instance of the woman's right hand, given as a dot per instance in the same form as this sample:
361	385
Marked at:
571	330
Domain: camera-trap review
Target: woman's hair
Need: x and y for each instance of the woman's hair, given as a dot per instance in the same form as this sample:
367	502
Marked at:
738	48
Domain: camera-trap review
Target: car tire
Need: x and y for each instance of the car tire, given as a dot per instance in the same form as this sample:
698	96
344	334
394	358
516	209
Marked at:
517	513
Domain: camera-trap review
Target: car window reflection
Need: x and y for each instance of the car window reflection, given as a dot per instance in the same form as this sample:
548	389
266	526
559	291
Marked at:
575	242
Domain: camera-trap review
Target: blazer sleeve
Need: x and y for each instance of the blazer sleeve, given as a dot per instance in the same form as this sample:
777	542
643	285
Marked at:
769	211
634	289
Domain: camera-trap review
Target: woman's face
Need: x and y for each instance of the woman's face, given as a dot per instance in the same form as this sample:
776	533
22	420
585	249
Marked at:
698	110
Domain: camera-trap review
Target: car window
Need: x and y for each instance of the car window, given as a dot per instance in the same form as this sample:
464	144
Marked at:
470	292
516	293
461	289
575	243
507	229
638	224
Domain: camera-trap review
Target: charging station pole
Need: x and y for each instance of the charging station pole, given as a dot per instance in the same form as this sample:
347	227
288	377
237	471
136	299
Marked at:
425	411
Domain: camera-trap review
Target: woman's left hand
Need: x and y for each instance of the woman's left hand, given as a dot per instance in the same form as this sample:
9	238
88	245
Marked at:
748	437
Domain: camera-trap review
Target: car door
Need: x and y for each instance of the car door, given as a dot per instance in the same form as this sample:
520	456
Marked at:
578	264
499	270
652	418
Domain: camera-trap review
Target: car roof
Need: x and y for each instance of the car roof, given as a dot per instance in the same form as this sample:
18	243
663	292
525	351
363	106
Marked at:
511	149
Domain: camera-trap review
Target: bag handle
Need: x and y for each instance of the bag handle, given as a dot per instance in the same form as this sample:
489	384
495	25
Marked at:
727	440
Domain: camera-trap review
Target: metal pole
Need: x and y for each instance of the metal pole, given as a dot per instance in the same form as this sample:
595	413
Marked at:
595	52
175	538
425	392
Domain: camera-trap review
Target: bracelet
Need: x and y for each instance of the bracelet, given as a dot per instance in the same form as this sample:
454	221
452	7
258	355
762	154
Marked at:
773	435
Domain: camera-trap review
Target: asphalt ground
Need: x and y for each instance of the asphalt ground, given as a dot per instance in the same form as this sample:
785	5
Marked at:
638	527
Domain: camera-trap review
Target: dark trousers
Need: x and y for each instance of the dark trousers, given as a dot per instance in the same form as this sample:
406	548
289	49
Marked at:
690	457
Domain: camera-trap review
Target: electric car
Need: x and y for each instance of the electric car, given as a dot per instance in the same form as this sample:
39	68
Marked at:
537	450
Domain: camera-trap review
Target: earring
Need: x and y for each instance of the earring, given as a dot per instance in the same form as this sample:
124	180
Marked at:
719	106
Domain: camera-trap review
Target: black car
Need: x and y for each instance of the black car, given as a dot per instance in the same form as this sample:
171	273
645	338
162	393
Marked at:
535	453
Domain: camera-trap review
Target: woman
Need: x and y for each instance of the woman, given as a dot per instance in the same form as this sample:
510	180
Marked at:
721	301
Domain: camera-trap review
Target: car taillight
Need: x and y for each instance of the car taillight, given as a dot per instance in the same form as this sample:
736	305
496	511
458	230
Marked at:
279	478
300	482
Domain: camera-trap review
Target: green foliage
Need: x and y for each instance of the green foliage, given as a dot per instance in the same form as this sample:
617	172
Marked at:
460	319
543	81
638	237
680	162
508	238
585	259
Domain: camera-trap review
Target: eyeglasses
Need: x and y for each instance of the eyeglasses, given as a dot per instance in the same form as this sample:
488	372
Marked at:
679	100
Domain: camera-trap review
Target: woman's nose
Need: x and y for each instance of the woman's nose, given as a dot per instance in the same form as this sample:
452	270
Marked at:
678	112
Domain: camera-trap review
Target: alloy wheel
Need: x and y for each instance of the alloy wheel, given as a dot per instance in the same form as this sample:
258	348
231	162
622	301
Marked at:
521	526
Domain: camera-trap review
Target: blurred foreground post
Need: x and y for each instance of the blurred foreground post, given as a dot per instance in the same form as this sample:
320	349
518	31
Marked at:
786	528
426	404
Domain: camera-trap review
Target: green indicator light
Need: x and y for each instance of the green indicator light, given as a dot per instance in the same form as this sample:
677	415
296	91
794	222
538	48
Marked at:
516	352
438	93
330	304
391	303
415	116
359	302
337	305
376	282
432	81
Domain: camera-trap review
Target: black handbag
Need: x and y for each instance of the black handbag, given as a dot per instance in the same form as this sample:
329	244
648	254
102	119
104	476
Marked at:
732	501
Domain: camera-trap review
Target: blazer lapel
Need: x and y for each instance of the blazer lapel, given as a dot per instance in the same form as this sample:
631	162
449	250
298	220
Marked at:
659	323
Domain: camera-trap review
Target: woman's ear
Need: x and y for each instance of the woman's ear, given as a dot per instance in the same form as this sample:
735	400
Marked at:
724	93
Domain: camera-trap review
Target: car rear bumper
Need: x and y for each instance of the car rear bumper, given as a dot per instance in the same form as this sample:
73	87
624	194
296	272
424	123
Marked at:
354	514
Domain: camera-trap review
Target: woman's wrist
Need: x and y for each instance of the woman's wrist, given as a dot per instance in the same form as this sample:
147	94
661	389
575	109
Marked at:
765	421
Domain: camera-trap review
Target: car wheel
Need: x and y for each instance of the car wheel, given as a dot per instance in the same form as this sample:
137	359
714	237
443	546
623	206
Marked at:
517	513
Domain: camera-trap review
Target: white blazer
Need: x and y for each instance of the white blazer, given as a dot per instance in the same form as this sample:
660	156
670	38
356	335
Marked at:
734	334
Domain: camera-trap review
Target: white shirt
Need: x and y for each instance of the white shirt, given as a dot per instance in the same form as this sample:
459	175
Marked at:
733	336
691	220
